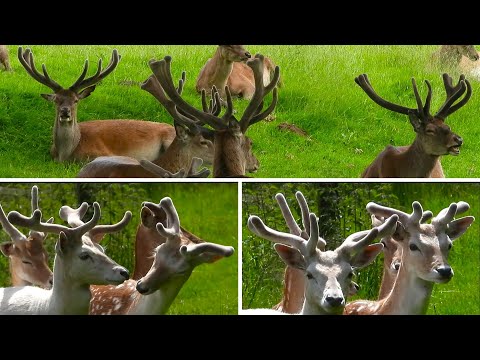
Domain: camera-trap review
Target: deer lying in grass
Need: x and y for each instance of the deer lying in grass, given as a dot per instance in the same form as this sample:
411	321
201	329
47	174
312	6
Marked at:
425	249
79	262
433	137
329	273
189	142
233	150
228	67
463	58
27	256
73	141
173	263
4	58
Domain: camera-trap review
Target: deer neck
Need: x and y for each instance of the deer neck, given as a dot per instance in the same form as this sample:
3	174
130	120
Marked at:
66	136
178	156
16	279
293	290
410	294
229	158
387	280
68	296
159	302
146	241
418	162
221	70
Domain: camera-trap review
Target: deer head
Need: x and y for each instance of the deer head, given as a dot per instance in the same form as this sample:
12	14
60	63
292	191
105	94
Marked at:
329	273
454	53
28	257
233	154
176	258
66	100
234	53
425	247
433	134
78	247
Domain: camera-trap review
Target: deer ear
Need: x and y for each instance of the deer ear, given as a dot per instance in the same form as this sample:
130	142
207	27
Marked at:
415	121
458	227
181	132
86	92
7	248
48	97
290	256
148	218
400	233
366	255
62	244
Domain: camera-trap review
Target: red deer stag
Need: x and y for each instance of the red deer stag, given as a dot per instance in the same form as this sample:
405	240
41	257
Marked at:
233	150
433	138
73	141
228	67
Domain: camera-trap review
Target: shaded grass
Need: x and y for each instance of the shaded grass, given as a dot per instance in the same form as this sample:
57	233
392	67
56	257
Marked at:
319	95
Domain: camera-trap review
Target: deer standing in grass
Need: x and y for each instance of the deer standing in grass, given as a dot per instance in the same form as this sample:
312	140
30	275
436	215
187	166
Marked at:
424	262
189	142
228	67
27	255
4	58
433	138
74	141
233	149
329	273
79	262
173	263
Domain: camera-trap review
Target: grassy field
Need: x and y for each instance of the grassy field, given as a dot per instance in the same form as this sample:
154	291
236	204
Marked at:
263	269
212	288
346	129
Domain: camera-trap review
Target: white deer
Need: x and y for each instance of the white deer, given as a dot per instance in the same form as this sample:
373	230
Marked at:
329	273
79	262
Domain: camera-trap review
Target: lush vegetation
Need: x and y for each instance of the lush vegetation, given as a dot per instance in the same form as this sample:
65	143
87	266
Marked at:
341	209
345	128
212	288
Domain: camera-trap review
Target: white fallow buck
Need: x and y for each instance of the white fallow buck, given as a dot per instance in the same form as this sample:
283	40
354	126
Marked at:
433	137
329	273
74	141
425	249
79	262
27	255
173	263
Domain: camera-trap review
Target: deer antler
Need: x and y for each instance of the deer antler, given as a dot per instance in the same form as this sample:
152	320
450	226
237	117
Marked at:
172	231
194	171
34	202
161	172
26	59
11	230
453	94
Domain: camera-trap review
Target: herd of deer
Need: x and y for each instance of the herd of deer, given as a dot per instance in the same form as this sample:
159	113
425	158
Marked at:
318	282
139	148
84	279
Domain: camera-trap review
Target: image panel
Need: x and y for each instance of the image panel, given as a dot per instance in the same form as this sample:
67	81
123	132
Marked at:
119	248
360	248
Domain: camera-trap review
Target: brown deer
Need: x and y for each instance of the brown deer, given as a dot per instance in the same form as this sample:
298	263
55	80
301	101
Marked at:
4	58
433	138
425	249
188	143
27	255
233	150
73	141
461	57
228	67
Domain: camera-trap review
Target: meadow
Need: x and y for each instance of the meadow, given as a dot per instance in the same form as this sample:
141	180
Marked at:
341	209
211	289
345	129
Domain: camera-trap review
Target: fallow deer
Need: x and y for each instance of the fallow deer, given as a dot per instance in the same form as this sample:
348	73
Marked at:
233	150
173	263
4	58
73	141
27	256
79	262
189	142
228	67
329	273
425	249
433	137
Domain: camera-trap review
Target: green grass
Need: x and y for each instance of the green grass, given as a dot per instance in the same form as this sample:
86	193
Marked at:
346	129
263	269
211	289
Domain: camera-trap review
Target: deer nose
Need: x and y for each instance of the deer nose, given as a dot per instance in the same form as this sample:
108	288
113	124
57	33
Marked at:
445	271
248	55
122	271
476	57
50	281
334	301
141	288
458	139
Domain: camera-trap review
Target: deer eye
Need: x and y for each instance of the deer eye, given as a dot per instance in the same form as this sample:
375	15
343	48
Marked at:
204	142
84	256
27	262
413	247
350	274
309	276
